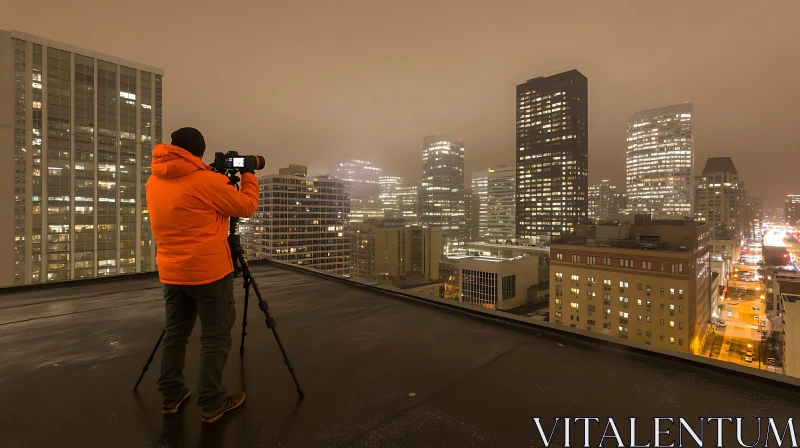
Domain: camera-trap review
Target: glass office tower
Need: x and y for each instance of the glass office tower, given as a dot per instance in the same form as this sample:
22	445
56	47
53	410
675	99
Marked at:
81	131
660	161
442	194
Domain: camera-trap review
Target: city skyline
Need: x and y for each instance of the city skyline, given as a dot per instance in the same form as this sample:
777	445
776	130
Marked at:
640	218
355	115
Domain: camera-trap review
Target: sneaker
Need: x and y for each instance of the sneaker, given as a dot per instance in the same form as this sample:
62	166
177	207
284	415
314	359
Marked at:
172	406
228	404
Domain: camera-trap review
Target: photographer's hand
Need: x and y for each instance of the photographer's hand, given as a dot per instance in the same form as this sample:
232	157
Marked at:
249	165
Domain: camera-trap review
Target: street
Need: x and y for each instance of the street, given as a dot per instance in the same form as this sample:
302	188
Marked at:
741	331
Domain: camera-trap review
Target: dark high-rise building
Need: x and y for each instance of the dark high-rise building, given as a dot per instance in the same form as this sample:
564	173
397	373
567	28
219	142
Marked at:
442	193
718	199
604	201
791	209
753	217
552	154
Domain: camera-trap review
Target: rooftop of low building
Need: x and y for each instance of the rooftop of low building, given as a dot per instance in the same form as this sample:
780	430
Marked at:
380	368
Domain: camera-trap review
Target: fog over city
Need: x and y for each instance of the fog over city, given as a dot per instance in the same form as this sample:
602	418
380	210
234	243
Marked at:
317	82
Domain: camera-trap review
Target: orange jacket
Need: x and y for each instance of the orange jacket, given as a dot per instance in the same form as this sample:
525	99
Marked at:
189	206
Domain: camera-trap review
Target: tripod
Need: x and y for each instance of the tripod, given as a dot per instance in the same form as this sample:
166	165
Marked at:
240	263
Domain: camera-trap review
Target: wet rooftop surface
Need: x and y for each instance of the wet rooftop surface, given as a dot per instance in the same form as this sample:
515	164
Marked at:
69	357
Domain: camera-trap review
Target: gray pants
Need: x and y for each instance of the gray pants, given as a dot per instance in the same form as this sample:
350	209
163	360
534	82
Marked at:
214	303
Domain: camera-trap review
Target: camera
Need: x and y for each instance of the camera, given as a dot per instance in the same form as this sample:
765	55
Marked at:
232	162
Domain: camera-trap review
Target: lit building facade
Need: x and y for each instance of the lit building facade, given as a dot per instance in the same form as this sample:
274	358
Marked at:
408	200
81	127
364	209
442	193
501	204
301	220
552	154
388	197
791	209
363	177
636	281
604	201
472	215
660	161
479	206
753	218
385	253
718	199
497	283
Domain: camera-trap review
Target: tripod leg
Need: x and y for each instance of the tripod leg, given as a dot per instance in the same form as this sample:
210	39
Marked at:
270	321
150	359
244	315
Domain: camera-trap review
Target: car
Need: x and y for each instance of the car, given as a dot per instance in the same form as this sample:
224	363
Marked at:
721	323
730	313
748	358
755	308
749	353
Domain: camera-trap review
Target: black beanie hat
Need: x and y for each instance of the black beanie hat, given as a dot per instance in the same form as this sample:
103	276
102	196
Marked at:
191	140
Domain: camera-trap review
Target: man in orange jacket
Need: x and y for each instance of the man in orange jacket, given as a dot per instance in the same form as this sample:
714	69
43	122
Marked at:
189	207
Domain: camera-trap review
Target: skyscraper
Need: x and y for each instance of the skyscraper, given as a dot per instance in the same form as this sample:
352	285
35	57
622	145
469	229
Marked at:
300	220
81	127
719	197
442	193
479	206
362	175
660	161
388	197
791	209
501	204
604	201
365	209
472	215
552	154
753	217
408	200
